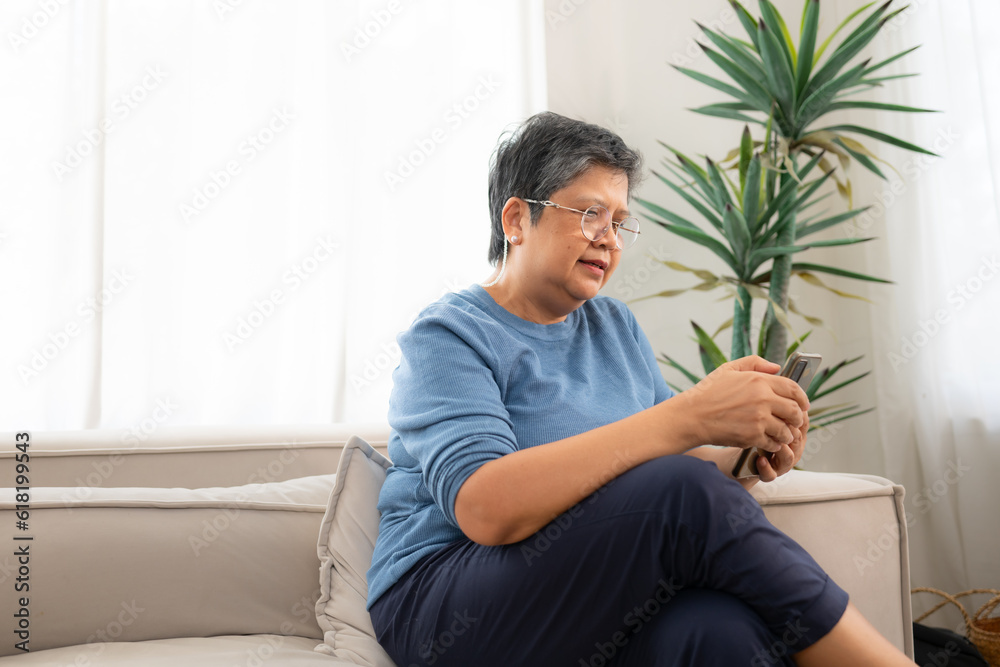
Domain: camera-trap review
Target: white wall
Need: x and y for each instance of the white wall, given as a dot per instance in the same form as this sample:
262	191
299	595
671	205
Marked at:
609	62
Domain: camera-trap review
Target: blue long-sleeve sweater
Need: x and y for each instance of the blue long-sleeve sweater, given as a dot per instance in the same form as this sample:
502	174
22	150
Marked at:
475	383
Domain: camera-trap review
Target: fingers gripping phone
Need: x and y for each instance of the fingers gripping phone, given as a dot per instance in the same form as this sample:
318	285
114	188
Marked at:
800	367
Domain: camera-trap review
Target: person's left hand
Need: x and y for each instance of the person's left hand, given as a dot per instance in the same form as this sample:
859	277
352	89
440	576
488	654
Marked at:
783	460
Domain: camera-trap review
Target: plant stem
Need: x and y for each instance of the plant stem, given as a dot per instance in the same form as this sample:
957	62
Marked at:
781	268
741	323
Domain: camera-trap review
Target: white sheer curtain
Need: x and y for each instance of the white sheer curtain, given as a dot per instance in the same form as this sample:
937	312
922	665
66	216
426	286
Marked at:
224	211
937	372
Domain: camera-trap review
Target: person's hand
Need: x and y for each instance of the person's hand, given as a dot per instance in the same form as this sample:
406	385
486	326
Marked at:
775	465
744	404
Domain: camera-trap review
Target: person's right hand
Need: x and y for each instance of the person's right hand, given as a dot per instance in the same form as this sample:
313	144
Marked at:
744	404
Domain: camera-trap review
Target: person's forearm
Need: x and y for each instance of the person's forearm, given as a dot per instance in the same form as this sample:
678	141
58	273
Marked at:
725	458
739	404
512	497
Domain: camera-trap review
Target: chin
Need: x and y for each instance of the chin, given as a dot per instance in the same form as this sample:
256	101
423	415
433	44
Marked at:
585	293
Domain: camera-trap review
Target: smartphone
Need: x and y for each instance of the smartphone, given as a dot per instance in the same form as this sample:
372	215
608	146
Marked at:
800	367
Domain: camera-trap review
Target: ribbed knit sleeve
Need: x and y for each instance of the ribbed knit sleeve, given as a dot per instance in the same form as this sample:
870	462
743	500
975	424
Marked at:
446	405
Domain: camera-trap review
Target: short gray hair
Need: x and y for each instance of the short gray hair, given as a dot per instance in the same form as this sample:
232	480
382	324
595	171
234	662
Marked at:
543	155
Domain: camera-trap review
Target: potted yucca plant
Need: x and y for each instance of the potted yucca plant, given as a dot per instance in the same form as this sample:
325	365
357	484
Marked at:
755	222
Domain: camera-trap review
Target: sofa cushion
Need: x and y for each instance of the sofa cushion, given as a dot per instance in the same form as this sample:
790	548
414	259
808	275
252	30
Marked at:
346	542
225	651
134	564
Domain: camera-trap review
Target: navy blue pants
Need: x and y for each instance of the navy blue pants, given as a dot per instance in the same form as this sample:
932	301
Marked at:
671	563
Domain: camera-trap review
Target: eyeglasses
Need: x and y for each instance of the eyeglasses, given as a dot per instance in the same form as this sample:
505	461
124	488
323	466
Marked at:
596	222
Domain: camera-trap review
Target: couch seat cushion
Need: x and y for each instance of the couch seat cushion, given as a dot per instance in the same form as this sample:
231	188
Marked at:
222	651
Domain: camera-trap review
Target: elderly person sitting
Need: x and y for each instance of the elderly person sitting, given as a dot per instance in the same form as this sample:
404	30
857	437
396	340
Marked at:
551	501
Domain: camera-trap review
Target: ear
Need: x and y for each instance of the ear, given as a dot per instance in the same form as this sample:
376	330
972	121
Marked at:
516	216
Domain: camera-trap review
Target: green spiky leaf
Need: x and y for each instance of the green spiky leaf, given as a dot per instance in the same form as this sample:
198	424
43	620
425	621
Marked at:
697	205
821	394
826	43
834	271
746	151
748	21
779	72
881	136
746	59
712	356
751	195
721	191
736	231
807	45
694	379
805	228
703	239
712	82
753	91
722	111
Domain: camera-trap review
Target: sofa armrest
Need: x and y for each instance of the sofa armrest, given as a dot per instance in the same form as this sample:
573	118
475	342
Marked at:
135	564
855	528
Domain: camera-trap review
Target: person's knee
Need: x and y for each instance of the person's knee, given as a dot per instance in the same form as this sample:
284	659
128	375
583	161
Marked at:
718	628
689	487
676	476
679	469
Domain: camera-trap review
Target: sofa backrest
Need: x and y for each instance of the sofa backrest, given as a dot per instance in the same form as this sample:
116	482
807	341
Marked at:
183	456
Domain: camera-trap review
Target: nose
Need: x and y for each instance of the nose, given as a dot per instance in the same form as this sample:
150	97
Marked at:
609	241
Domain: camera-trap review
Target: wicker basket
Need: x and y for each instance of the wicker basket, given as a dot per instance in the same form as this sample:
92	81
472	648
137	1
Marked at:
982	630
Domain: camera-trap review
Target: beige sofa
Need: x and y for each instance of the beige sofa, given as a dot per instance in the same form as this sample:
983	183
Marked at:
247	545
